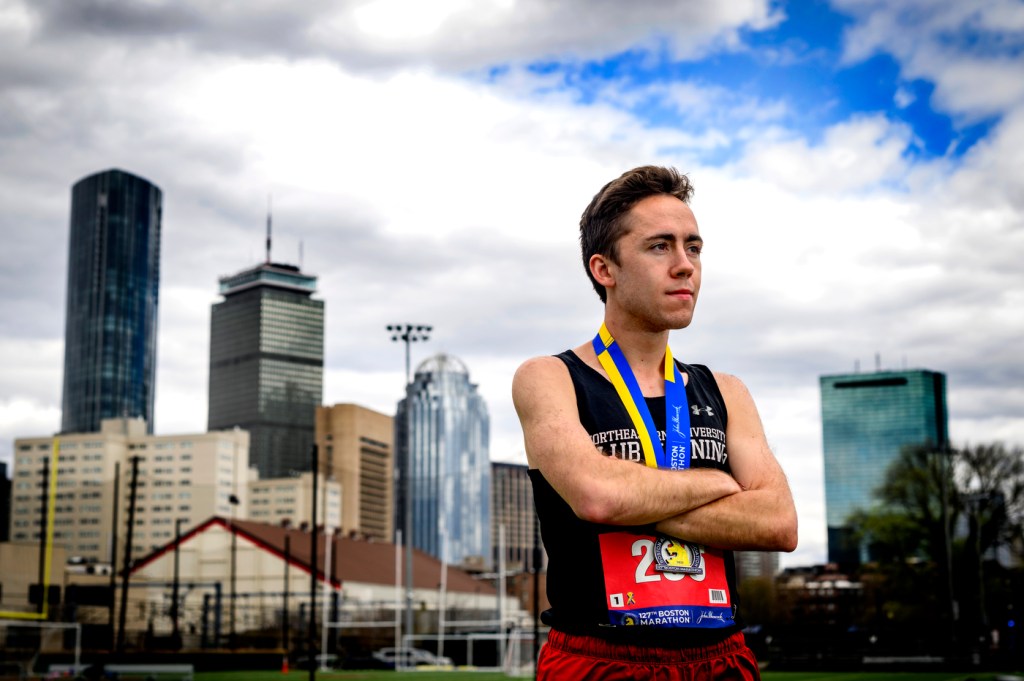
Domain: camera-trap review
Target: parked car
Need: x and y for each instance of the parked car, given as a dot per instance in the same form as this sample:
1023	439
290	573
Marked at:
397	658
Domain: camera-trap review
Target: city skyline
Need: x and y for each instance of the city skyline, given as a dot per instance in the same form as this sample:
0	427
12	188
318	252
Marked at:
854	167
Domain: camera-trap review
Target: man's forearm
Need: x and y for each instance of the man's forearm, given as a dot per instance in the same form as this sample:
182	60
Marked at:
624	493
748	520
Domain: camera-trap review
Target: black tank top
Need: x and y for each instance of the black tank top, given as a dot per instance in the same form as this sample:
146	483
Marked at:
575	585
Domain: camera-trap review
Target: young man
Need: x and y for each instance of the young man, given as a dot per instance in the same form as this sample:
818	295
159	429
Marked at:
640	571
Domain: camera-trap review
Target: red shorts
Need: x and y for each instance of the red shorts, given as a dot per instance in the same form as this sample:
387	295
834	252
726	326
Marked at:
568	656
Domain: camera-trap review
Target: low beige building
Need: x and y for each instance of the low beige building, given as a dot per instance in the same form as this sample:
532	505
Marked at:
289	501
181	478
357	447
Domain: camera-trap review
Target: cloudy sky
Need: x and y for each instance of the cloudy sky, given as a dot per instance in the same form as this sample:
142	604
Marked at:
857	165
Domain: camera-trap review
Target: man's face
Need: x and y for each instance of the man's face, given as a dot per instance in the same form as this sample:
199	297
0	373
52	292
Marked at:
657	277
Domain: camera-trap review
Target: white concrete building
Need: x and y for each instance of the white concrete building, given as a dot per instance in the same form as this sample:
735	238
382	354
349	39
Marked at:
181	478
289	501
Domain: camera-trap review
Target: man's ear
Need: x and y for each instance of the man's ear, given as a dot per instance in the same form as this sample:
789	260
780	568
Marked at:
601	268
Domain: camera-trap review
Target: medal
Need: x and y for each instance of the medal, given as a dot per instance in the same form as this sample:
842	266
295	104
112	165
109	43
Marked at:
676	453
675	555
670	554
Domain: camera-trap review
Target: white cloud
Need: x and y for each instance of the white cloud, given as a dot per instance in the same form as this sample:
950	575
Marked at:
969	50
856	155
460	34
384	34
904	97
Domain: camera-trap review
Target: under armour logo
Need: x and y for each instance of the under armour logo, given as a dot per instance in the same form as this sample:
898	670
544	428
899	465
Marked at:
697	411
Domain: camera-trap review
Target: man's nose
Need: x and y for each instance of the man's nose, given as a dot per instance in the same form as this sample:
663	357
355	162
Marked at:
684	267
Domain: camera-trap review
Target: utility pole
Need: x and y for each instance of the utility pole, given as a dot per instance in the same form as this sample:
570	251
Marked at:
113	555
43	513
174	587
310	640
126	570
284	616
234	502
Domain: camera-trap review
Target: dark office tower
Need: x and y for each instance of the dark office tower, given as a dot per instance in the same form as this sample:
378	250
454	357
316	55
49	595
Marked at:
512	508
113	285
267	364
866	420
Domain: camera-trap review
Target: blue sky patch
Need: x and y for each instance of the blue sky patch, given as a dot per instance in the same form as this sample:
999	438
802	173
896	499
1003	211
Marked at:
793	72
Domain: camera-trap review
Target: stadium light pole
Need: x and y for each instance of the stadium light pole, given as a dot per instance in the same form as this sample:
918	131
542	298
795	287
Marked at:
408	334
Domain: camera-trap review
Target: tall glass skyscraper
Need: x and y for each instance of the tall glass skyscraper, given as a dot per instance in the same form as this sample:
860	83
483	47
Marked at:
866	420
445	426
267	364
112	295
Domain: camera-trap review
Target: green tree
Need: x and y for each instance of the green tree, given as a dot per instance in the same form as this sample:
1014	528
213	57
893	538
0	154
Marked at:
917	510
940	518
991	480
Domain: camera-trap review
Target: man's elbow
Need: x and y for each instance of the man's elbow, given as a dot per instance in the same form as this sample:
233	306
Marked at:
598	506
785	535
593	509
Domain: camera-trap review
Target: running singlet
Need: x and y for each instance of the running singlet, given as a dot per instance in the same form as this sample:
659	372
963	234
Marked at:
605	580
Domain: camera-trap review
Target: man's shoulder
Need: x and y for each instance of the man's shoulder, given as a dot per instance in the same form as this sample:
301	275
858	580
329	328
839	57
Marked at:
723	377
542	386
538	374
541	364
554	363
731	387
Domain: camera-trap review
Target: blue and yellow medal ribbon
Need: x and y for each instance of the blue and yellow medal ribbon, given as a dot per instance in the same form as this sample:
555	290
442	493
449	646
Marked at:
677	414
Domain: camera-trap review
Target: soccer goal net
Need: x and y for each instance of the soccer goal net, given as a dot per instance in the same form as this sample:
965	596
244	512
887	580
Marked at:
24	642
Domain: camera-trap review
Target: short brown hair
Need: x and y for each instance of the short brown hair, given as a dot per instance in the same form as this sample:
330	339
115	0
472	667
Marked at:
603	222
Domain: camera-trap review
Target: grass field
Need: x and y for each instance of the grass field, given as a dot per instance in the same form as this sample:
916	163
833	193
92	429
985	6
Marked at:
496	676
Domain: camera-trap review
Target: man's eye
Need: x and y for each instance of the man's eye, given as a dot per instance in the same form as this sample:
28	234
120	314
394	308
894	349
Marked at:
660	247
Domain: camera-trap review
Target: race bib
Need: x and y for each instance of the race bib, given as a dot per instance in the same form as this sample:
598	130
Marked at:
661	581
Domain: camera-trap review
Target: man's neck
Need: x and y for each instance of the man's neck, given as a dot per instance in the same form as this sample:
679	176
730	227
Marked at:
644	350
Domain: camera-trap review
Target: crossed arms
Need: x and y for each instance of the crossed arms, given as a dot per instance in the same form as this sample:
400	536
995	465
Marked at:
751	510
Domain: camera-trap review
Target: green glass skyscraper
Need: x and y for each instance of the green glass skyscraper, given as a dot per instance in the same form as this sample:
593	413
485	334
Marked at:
112	295
866	420
267	364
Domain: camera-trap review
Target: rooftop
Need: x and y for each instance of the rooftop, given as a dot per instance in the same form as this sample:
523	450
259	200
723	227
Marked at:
277	275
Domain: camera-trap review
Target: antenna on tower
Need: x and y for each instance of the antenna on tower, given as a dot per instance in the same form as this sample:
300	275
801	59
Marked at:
268	227
300	254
